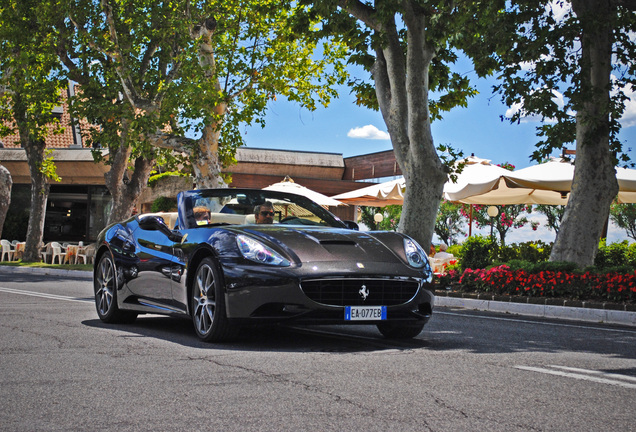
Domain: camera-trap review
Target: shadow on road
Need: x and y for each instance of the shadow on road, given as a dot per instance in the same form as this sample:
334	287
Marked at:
281	338
495	333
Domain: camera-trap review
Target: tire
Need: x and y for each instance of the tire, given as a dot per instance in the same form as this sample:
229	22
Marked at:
208	305
400	331
105	288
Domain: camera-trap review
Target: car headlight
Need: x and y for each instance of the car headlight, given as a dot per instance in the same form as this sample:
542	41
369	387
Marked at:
415	255
256	251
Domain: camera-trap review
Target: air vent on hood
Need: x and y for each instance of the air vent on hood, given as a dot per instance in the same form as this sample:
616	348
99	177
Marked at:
338	242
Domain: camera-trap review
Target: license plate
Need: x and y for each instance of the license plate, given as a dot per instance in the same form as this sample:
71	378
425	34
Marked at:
365	313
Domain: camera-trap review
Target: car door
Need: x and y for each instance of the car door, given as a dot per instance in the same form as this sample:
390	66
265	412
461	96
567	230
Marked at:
154	251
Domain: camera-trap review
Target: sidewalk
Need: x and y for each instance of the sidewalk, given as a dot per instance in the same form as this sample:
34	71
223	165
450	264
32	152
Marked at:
578	311
47	271
599	313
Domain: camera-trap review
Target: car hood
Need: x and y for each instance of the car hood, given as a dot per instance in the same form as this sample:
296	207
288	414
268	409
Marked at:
312	244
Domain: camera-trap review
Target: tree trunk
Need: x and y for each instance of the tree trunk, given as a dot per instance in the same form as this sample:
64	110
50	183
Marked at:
39	196
594	186
205	161
5	194
123	189
402	89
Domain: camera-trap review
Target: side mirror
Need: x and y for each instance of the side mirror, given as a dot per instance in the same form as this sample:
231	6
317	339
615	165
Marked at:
351	225
152	223
156	223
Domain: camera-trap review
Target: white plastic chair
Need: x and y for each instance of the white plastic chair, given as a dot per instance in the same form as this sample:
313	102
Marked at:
7	250
46	252
87	255
56	252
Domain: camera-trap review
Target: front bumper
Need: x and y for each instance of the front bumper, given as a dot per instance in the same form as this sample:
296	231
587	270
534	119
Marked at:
274	294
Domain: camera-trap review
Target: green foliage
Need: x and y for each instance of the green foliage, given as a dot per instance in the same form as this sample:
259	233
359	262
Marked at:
152	181
475	253
554	215
624	216
391	217
508	217
612	255
48	168
164	204
30	78
448	224
537	267
366	216
151	69
534	251
548	35
559	282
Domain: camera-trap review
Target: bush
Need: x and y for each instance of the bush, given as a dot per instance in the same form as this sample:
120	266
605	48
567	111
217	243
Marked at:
164	204
537	267
502	280
153	180
612	255
524	270
475	253
532	251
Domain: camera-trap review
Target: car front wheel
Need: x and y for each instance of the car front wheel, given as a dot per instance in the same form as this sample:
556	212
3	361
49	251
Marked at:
208	305
105	287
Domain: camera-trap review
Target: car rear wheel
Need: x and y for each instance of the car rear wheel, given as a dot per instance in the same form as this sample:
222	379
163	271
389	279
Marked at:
208	305
400	331
105	287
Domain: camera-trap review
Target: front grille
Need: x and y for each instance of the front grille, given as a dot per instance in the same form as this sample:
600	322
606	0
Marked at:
347	292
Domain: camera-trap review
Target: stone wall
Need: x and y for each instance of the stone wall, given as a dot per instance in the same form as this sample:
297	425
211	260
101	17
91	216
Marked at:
164	187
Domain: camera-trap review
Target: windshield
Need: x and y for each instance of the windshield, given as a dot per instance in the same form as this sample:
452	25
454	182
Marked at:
244	206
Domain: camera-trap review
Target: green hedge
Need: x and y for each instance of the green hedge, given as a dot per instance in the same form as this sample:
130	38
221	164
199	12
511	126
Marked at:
524	270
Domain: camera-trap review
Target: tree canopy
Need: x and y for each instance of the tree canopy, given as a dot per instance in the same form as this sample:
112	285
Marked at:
192	72
569	63
30	86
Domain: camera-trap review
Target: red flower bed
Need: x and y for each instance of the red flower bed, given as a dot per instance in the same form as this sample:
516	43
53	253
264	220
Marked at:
502	280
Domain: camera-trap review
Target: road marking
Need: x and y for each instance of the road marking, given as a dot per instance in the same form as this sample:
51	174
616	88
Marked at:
594	372
585	375
494	318
44	295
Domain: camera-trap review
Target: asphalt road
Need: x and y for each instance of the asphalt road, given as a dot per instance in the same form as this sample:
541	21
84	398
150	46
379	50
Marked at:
61	369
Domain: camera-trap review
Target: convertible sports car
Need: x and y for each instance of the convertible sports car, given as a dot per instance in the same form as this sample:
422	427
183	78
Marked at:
212	262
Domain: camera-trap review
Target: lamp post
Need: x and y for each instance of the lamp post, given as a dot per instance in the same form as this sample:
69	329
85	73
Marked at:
493	211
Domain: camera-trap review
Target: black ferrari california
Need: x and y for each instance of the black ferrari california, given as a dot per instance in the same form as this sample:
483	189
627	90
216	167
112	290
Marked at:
229	258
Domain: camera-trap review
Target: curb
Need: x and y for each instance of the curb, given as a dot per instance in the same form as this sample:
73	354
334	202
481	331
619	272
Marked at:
607	316
47	271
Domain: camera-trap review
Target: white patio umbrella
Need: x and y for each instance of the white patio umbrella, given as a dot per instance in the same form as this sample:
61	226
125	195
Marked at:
379	195
288	185
556	175
626	185
479	177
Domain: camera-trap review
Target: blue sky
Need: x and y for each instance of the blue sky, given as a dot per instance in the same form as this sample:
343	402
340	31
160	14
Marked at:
476	129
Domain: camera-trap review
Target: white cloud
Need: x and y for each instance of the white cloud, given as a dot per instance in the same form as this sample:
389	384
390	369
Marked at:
526	118
560	9
368	132
629	115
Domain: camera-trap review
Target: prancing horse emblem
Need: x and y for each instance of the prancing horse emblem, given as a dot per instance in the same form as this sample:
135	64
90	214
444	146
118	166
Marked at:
364	292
